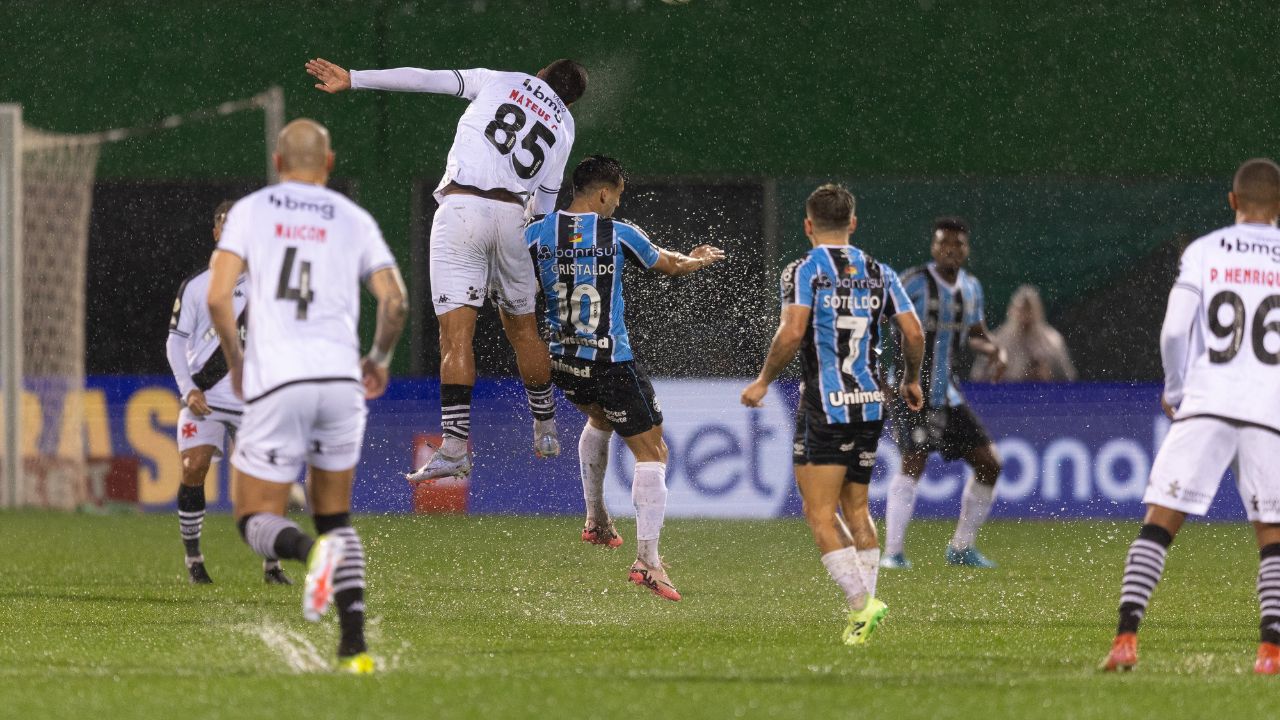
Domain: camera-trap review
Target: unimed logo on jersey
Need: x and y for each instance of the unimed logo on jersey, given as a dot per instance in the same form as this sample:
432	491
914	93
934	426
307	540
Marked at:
1241	245
287	202
723	459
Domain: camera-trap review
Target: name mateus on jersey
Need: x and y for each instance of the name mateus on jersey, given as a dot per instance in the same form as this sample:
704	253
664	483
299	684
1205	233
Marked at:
556	108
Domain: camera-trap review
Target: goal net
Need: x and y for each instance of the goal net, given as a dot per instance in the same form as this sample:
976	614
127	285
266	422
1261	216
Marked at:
46	195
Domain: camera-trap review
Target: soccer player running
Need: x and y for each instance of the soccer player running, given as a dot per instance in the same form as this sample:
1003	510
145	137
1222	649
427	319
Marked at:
579	254
1220	346
950	302
509	151
833	300
210	410
306	250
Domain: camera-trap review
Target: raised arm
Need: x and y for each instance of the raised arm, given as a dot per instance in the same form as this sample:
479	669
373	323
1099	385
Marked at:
786	341
226	268
387	287
676	264
334	79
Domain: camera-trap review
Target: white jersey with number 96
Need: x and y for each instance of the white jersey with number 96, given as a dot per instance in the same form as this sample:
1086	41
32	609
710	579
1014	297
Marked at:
308	250
1232	367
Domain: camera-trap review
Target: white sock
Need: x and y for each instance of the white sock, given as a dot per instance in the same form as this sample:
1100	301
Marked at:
869	566
975	506
593	461
649	493
897	513
842	566
453	447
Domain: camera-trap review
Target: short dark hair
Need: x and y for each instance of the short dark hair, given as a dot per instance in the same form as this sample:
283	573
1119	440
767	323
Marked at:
223	208
830	207
568	78
597	170
1257	182
950	222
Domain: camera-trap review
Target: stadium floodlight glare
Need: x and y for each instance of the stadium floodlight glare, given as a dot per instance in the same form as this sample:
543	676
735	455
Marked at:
46	194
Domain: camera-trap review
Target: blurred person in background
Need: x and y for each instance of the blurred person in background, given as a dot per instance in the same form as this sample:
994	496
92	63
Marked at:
1036	351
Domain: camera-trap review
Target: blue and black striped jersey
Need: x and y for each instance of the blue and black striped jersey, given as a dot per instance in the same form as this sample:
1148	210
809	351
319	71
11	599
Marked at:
947	311
848	293
578	259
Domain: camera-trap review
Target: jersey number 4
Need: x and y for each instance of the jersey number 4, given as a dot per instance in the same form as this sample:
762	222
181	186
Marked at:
507	123
302	294
1234	329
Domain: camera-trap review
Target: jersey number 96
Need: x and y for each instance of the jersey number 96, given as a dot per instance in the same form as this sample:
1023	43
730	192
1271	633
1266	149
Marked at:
1234	329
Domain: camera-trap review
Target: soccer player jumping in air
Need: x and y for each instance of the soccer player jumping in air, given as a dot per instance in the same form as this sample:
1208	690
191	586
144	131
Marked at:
210	410
833	300
1220	345
307	250
509	151
579	254
949	300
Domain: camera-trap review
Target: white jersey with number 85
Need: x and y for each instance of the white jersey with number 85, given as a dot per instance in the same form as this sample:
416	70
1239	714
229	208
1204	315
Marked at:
308	250
1228	292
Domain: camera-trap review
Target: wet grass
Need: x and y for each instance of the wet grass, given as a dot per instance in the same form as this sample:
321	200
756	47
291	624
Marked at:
513	617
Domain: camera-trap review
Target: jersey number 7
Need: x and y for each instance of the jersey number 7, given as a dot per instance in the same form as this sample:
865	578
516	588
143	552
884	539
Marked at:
857	327
510	120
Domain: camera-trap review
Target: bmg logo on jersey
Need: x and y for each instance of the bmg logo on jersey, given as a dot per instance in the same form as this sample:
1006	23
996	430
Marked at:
1242	245
286	202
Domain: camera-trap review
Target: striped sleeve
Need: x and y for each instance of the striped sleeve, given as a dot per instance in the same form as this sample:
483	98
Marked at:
899	300
917	287
796	286
638	245
975	310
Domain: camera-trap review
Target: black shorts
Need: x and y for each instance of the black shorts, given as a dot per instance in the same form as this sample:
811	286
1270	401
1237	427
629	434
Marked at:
953	431
853	445
621	389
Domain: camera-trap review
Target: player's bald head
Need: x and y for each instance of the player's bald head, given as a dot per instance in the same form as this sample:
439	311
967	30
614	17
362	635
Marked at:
1257	184
303	146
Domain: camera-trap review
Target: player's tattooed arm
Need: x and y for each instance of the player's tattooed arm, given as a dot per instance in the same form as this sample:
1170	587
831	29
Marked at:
676	264
225	271
786	341
333	79
981	342
387	287
912	344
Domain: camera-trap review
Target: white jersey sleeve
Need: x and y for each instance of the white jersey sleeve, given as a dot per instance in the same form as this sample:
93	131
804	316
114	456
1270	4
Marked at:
459	83
1229	280
193	350
307	249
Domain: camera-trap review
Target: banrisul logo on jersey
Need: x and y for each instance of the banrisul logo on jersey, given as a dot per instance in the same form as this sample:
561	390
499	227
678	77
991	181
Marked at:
724	460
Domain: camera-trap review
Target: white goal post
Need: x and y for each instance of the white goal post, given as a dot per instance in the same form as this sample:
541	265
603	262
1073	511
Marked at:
46	194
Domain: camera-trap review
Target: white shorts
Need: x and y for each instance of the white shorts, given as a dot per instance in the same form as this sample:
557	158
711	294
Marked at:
478	250
214	429
320	424
1197	451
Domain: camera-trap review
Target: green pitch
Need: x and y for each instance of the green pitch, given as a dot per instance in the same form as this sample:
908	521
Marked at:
502	617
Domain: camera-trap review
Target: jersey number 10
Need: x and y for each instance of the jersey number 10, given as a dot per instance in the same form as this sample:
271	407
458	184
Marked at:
571	307
509	121
1235	329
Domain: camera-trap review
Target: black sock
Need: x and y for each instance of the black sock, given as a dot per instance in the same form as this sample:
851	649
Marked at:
272	537
1142	570
541	402
1269	593
191	517
455	411
348	583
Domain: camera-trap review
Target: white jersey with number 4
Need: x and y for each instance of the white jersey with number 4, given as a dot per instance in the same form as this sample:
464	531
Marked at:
516	134
308	250
1224	317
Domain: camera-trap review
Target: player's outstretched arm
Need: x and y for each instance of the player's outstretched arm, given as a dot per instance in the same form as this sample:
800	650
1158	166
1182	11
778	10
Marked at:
225	270
912	343
786	341
332	78
676	264
387	287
